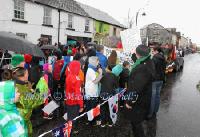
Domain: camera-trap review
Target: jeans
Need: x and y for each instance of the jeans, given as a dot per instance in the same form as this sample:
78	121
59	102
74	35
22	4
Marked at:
105	114
155	98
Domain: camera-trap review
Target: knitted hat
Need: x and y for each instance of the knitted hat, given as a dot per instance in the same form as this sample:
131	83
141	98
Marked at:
16	60
143	50
27	58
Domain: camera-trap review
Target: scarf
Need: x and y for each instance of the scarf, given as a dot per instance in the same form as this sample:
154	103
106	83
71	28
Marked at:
92	67
139	61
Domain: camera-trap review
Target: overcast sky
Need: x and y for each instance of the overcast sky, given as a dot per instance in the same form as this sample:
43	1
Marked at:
181	14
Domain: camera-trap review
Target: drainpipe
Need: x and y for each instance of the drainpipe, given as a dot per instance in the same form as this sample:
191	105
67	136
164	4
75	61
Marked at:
58	26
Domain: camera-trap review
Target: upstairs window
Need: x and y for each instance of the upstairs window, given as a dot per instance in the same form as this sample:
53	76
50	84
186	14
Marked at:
87	25
19	9
70	21
47	16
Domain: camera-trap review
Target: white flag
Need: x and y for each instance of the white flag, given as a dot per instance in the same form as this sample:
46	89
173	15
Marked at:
49	108
65	116
113	107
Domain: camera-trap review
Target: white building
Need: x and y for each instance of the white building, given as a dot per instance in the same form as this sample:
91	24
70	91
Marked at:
184	42
33	19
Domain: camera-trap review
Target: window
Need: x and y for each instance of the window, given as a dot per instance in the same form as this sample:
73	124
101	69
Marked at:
47	16
70	21
87	25
19	9
114	32
23	35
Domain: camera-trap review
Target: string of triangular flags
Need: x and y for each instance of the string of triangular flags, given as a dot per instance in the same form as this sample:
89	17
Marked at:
65	130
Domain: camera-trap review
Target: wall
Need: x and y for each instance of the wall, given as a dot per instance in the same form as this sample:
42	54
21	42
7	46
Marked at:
117	31
34	15
79	26
102	27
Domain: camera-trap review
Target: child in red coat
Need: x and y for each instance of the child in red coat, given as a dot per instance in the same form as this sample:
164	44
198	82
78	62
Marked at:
74	98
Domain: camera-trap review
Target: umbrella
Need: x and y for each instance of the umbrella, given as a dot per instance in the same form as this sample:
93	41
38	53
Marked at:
51	47
11	42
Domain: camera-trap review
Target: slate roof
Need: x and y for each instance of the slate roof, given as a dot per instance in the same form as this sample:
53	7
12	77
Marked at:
100	15
73	6
66	5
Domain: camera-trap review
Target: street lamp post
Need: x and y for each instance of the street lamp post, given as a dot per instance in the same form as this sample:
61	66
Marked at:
137	14
59	10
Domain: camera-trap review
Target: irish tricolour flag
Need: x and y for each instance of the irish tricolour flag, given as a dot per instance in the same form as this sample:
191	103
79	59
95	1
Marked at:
93	113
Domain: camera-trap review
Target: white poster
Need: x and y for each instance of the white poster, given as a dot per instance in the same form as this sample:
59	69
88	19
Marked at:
130	39
49	108
121	55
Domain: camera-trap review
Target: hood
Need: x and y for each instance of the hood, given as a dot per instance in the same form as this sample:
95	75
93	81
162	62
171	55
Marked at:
93	61
75	67
7	95
45	67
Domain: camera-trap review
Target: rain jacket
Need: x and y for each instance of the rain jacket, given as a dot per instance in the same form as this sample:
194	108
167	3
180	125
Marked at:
140	81
160	66
27	102
11	123
73	85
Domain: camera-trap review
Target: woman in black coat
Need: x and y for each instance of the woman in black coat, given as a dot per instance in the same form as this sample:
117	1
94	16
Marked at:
140	81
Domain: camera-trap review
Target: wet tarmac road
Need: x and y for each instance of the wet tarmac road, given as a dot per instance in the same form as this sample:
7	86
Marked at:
179	114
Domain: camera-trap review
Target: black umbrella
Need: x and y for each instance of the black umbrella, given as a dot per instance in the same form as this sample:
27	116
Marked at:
11	42
51	47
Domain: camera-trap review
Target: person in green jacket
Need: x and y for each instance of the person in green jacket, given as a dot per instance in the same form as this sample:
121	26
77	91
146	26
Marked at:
29	99
11	123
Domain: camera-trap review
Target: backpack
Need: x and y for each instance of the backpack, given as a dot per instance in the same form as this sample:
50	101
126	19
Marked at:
57	69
